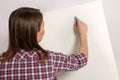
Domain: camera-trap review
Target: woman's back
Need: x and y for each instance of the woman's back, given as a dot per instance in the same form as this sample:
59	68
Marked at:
25	66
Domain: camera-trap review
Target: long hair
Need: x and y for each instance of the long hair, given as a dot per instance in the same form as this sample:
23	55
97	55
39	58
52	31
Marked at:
24	24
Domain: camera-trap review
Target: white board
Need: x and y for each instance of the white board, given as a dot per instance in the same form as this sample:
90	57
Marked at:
60	37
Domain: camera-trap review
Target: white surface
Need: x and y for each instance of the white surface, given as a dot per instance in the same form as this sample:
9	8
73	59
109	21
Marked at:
112	15
60	37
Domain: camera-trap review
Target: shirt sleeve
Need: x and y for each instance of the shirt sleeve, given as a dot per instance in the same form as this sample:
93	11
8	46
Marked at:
71	62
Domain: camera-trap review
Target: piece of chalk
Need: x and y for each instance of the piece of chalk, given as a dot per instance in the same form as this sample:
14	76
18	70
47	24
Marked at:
75	17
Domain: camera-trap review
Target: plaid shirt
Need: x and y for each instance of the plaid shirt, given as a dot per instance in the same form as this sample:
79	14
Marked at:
24	66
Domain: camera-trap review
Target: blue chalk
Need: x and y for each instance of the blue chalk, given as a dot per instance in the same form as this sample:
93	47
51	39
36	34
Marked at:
75	17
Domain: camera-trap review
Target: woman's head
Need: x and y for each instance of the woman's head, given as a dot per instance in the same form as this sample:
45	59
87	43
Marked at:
26	29
24	25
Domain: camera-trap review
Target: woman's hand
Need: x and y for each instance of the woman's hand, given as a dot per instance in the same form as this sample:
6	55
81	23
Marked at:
81	27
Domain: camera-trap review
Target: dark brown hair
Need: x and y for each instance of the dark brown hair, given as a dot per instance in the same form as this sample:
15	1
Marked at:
24	24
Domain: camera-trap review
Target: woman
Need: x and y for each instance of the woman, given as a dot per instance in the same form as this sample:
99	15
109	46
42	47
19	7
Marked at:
25	59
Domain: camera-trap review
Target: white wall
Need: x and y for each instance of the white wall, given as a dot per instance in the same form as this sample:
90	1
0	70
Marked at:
112	14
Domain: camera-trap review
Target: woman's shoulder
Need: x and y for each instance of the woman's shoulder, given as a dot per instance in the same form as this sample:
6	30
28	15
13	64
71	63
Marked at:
56	54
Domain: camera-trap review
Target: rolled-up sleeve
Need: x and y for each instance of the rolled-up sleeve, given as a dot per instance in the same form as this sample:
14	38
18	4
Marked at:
71	62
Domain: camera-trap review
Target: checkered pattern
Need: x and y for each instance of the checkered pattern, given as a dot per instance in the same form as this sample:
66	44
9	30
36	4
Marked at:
24	66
